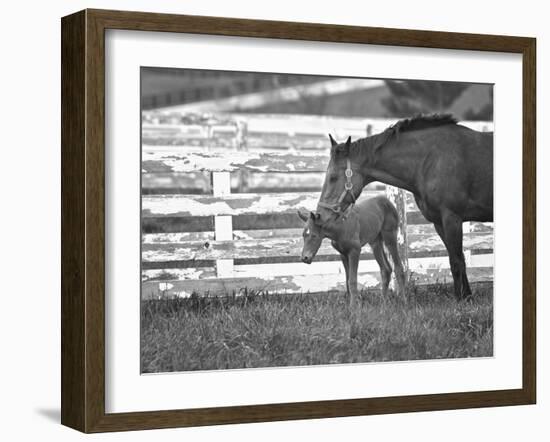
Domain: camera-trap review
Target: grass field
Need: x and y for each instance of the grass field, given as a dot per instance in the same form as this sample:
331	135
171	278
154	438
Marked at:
270	330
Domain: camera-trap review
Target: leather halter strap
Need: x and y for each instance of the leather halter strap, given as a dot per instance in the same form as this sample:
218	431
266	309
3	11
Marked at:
348	188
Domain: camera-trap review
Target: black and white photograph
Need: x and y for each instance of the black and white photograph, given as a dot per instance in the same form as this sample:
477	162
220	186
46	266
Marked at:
297	220
260	221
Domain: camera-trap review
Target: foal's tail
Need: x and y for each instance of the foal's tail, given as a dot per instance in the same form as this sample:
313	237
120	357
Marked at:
389	236
391	217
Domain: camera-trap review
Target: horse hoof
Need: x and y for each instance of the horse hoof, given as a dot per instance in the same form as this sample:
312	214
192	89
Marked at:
466	299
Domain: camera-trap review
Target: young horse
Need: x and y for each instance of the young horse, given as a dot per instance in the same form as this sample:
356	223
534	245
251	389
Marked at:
373	221
448	168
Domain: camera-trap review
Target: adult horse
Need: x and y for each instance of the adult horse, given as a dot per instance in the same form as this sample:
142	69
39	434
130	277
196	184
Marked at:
447	167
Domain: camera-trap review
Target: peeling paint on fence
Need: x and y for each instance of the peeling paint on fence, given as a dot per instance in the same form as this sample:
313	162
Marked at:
233	204
471	240
183	160
297	284
177	274
283	246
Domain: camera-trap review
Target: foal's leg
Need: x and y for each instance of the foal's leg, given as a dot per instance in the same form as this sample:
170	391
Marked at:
344	259
390	239
353	306
385	268
452	237
353	264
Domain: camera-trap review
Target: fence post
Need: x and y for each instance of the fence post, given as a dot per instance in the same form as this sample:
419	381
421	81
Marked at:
467	228
241	135
223	224
240	143
398	198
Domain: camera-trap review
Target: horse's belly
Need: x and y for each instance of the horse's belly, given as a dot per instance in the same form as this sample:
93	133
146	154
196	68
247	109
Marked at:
479	212
431	214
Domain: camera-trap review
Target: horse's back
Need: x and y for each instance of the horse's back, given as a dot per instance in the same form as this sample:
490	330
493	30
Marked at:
480	152
376	214
378	203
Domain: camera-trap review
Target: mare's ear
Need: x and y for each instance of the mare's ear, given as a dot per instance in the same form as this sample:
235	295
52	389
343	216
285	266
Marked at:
332	141
347	145
303	216
344	147
348	142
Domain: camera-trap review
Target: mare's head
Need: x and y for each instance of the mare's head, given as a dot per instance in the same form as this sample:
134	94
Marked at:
313	235
343	182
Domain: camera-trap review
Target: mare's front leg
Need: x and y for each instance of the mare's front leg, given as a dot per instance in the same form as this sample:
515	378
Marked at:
450	231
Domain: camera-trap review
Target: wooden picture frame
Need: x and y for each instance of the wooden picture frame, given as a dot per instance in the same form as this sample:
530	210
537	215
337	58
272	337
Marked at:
83	220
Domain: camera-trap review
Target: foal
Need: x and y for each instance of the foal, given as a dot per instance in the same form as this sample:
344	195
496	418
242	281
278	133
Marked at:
373	221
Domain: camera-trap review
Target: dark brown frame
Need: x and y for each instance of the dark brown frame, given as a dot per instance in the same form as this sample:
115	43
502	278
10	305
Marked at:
83	218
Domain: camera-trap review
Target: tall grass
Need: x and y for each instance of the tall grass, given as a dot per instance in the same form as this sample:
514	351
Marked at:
271	330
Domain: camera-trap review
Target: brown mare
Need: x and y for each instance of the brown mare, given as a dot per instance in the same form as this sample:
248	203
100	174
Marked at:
371	221
448	168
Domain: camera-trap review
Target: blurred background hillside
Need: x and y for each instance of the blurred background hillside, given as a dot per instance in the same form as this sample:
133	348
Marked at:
244	92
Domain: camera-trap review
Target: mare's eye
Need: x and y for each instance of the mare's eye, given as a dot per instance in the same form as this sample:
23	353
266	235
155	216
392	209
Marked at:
333	178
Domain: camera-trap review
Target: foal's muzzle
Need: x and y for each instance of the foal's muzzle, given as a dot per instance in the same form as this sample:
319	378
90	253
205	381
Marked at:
306	259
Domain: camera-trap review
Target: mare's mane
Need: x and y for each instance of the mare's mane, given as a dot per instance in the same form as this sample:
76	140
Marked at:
418	122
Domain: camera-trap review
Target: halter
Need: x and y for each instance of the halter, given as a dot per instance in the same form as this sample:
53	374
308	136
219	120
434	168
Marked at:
348	187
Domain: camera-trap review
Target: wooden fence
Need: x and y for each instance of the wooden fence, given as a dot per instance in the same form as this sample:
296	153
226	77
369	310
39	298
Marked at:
219	205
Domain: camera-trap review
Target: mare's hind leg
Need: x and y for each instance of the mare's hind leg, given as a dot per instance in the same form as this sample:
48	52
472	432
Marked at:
390	240
385	268
451	233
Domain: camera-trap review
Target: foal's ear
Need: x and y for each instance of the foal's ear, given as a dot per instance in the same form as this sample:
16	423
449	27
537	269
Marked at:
332	141
303	216
314	216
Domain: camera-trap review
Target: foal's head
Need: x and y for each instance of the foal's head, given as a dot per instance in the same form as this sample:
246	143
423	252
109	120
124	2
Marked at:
313	235
343	181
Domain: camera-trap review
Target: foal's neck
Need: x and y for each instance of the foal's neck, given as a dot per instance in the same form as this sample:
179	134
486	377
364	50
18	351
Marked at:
336	230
